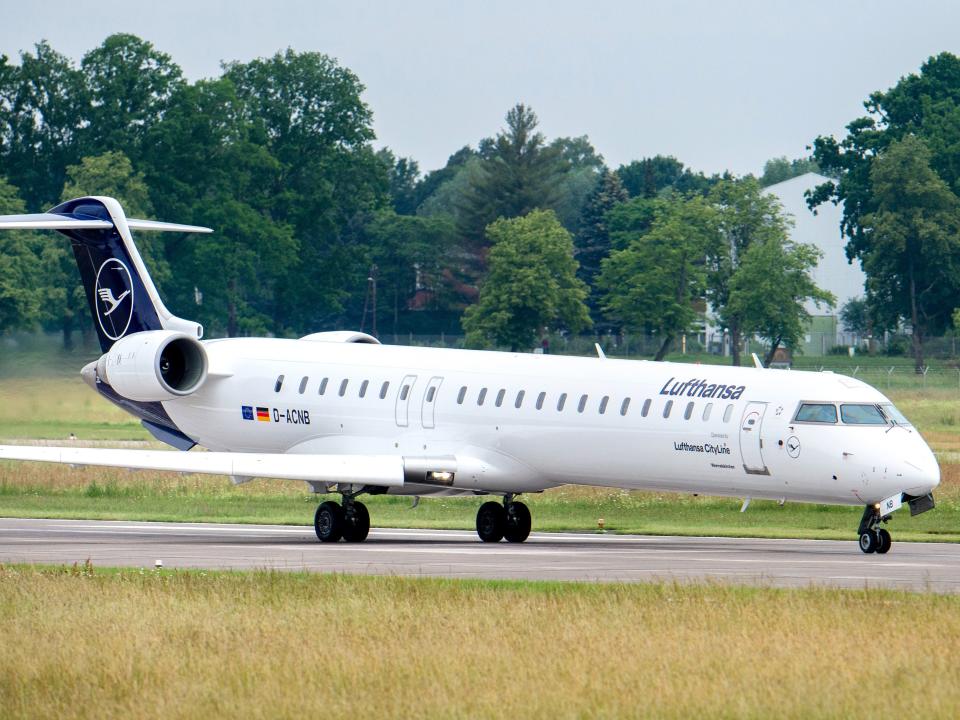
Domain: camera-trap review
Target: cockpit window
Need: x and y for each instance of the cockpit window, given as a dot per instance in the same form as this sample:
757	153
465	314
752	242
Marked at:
895	416
861	414
817	413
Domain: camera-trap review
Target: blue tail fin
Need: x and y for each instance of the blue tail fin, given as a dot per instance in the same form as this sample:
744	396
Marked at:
122	297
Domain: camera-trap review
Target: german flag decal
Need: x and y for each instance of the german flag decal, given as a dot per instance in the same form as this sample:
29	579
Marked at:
263	414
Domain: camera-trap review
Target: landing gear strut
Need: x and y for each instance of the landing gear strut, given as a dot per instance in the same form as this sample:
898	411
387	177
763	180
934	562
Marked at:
873	538
351	521
510	520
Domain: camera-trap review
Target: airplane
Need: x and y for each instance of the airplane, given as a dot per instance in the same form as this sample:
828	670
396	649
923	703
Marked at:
351	417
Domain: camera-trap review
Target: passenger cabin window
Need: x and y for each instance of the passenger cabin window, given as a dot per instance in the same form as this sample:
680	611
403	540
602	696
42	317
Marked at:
728	413
482	396
363	387
323	386
383	389
603	404
343	387
861	415
303	384
540	398
646	408
706	411
519	401
583	404
624	406
667	408
561	401
461	395
817	413
688	413
279	384
430	393
500	397
404	391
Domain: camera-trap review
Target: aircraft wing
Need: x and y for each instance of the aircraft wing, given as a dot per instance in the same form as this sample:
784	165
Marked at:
382	470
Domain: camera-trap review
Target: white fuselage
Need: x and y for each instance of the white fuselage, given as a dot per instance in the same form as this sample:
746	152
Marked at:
728	431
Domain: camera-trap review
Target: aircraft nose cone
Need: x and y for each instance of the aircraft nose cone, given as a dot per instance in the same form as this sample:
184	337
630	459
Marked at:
922	469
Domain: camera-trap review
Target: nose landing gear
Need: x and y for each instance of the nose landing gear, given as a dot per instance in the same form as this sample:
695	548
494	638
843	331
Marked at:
873	538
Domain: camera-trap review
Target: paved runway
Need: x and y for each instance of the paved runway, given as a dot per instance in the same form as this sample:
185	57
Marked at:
446	553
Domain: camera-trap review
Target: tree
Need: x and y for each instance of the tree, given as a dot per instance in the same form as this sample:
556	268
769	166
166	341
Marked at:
654	282
769	290
911	248
411	254
926	106
531	285
21	289
44	108
580	166
404	175
305	110
855	316
651	176
521	174
746	216
593	239
130	85
778	169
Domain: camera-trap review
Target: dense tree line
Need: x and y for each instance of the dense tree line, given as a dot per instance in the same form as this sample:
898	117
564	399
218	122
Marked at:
516	235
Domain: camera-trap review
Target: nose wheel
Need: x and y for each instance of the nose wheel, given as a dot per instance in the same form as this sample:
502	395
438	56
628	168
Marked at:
873	538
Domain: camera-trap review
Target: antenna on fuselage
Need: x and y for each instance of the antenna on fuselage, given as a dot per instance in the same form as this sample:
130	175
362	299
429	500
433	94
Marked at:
756	361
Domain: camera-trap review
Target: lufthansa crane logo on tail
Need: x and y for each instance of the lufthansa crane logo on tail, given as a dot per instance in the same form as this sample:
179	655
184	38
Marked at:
114	298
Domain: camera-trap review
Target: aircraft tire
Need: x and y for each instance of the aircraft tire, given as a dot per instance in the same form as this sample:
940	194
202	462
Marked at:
869	541
884	541
356	523
329	521
517	522
491	522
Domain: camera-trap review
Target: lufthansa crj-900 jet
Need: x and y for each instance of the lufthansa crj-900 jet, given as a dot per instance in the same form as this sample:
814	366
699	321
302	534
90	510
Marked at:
350	416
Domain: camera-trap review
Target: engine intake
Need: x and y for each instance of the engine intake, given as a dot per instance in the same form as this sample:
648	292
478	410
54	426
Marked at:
154	365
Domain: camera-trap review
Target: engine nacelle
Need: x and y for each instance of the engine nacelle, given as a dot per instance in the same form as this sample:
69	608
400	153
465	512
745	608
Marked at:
154	365
342	336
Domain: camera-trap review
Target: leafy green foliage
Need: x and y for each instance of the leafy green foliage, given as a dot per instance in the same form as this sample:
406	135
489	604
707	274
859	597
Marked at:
912	259
652	176
532	284
769	290
779	169
21	287
593	239
654	281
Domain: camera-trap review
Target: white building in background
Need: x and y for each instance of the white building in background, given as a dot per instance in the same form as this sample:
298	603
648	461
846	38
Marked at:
834	272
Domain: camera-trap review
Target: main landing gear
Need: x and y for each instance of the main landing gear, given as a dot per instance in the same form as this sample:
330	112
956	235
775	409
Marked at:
350	521
873	538
510	520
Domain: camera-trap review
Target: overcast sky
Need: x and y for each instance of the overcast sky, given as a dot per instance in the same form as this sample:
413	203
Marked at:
718	85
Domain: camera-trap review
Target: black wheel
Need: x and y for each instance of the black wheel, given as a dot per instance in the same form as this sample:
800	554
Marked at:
356	523
869	541
884	541
328	522
491	519
517	526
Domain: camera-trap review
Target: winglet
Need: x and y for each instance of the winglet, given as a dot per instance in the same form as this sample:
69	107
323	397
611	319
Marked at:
600	353
756	361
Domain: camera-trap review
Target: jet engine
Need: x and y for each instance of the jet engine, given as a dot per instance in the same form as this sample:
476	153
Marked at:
154	365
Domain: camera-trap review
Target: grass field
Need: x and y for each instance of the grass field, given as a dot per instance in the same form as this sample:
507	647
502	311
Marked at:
54	407
82	643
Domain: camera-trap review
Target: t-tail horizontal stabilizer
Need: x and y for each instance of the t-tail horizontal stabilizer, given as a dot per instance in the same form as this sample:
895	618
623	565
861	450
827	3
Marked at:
122	297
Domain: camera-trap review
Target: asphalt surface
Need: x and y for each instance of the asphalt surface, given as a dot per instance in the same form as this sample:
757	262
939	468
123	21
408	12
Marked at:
449	553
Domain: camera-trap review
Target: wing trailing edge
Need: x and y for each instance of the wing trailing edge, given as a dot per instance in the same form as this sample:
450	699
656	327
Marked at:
381	470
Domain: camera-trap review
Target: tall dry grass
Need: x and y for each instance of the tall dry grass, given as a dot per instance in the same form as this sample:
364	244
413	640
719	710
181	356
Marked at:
110	645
